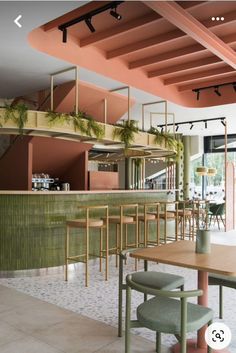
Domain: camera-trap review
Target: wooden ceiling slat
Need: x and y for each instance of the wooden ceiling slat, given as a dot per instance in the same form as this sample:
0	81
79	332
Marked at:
206	83
198	75
176	15
167	37
185	66
196	48
121	29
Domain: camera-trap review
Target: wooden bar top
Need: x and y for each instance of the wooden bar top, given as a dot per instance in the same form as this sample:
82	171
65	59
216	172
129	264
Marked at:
221	260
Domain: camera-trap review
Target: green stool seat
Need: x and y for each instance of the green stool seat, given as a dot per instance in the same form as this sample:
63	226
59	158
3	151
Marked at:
164	315
158	280
221	281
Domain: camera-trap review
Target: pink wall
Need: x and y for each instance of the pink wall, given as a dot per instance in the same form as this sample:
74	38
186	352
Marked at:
16	165
67	160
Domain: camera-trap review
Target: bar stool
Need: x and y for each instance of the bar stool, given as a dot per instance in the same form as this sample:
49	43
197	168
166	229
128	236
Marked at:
185	215
87	223
119	221
167	214
146	218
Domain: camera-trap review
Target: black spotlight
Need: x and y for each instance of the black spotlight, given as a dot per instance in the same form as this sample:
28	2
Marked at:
64	35
177	127
216	90
205	124
198	94
191	126
162	129
89	24
223	122
234	86
115	14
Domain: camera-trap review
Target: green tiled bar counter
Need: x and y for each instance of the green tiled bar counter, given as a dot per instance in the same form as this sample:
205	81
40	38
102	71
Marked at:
32	224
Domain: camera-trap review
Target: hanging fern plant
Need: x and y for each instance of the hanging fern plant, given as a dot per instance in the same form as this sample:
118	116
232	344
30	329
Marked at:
57	118
126	132
82	122
169	140
18	113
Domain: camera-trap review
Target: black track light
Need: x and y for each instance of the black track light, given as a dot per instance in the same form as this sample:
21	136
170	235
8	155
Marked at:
177	127
115	14
88	22
234	86
64	35
223	122
205	124
191	126
162	129
198	94
216	90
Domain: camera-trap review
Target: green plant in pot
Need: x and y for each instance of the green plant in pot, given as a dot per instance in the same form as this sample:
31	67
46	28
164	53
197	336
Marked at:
18	113
126	132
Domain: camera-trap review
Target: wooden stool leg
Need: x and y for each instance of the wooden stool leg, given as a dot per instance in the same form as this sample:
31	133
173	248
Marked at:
107	252
87	256
117	243
67	252
101	249
126	236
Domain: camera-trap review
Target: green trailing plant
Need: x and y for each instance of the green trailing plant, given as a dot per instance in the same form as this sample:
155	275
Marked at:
170	142
126	132
57	118
18	113
82	122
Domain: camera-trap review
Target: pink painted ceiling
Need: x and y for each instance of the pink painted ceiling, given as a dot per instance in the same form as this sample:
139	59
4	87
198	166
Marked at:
165	48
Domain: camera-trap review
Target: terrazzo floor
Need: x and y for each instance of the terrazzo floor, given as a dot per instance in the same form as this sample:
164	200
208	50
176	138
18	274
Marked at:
99	300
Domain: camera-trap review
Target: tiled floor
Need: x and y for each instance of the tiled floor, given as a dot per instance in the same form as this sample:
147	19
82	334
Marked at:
55	323
29	325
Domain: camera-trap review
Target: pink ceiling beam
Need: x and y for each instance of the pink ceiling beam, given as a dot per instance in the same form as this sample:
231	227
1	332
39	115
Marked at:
121	29
175	14
166	37
213	60
190	50
205	83
197	75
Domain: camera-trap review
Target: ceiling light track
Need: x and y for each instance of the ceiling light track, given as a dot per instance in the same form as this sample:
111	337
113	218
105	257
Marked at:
215	88
192	123
88	18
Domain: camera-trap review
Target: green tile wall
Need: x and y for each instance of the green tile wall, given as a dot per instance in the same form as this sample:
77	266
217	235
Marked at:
32	226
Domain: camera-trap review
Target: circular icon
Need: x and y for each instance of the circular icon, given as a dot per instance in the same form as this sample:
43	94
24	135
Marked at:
218	336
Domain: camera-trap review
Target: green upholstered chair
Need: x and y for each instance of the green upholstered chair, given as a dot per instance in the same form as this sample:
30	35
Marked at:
164	313
221	281
150	279
216	213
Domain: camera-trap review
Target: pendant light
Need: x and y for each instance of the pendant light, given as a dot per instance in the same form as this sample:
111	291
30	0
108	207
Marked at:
202	170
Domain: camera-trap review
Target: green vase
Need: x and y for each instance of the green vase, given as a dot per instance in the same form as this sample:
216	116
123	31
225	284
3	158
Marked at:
203	241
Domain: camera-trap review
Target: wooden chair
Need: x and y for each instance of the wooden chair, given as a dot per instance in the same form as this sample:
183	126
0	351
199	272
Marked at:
152	279
165	314
87	223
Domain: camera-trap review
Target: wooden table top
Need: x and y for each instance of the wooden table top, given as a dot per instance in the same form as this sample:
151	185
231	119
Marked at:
221	260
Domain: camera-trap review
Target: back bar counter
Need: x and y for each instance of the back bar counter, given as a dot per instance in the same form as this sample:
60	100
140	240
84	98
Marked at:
32	224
